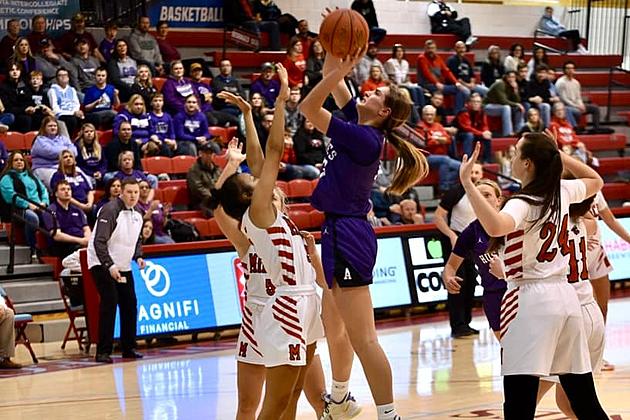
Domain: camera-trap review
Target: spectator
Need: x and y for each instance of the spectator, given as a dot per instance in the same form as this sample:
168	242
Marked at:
435	75
539	93
100	100
135	113
533	124
47	147
315	64
259	109
18	178
108	44
85	63
72	230
292	116
504	159
492	68
305	36
116	241
565	135
126	169
361	71
154	211
437	143
368	11
406	213
504	101
162	127
375	81
552	26
90	154
191	128
143	84
22	56
176	89
202	176
8	42
289	167
65	102
539	57
4	155
29	103
309	146
444	21
570	92
215	118
7	337
148	238
295	63
240	13
268	11
48	62
122	70
441	114
112	192
167	50
472	126
8	118
225	81
122	142
38	33
522	81
514	58
266	84
82	187
77	30
397	69
463	71
144	47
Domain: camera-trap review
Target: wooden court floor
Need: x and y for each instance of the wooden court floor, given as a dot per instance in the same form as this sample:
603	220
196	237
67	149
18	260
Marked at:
435	377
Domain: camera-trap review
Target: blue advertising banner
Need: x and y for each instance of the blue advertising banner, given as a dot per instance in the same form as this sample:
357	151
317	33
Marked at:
188	13
617	250
58	14
390	286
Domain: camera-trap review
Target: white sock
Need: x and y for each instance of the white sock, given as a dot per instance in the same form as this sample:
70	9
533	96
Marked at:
339	391
386	412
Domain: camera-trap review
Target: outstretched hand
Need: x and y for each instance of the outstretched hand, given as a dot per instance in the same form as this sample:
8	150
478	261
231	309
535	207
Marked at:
352	60
465	170
235	100
234	152
284	82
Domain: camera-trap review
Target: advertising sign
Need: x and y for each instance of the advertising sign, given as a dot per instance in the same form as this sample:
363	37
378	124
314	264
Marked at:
617	249
390	287
188	13
58	14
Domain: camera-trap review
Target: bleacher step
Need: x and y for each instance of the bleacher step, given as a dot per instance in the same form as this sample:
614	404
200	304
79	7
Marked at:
25	270
22	254
32	291
53	331
42	306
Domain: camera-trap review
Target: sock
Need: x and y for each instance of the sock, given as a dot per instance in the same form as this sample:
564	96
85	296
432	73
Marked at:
386	412
339	391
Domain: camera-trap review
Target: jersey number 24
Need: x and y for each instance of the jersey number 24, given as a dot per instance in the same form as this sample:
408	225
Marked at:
548	251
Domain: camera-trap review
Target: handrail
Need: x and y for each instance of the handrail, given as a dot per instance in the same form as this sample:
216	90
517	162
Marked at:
15	216
612	82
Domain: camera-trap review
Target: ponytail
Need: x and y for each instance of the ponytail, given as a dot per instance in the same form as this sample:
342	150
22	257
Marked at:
411	165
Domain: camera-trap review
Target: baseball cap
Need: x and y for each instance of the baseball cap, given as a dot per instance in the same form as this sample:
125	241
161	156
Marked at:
44	42
195	66
266	66
78	17
210	147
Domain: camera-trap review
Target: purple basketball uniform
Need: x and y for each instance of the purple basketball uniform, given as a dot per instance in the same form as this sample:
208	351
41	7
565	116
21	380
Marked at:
473	243
343	192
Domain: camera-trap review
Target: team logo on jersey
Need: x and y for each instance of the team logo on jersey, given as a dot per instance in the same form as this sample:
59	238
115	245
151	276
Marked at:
347	275
153	275
294	352
242	350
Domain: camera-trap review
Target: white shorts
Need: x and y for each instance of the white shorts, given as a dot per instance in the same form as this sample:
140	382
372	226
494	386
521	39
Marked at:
542	332
288	325
597	260
248	347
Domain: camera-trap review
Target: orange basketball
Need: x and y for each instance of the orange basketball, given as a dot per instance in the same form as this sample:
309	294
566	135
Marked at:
344	32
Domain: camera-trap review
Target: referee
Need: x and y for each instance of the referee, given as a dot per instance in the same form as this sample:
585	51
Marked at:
115	242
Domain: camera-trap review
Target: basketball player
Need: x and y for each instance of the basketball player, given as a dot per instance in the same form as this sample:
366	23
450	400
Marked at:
541	321
343	192
473	242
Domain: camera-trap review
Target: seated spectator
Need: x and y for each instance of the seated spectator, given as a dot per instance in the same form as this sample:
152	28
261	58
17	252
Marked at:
538	57
176	89
406	213
570	93
126	169
533	124
202	177
565	136
504	101
240	13
85	63
30	103
18	178
441	114
100	100
539	93
71	231
268	11
397	69
122	142
437	143
368	11
552	26
205	96
143	84
23	57
113	189
148	238
48	62
135	113
191	128
361	71
8	42
305	36
492	68
514	58
444	21
169	51
108	44
295	63
144	48
156	212
266	84
6	118
289	167
122	70
504	159
90	154
259	109
47	147
292	116
472	126
434	75
67	41
309	146
315	64
464	71
7	337
38	32
82	187
64	101
162	127
522	81
375	81
225	81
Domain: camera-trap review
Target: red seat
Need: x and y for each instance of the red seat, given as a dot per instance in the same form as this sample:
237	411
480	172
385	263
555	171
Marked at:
181	164
300	188
231	132
215	231
29	138
98	194
300	206
175	195
283	186
220	160
157	165
613	165
206	80
104	137
219	132
186	214
317	218
158	82
173	182
301	218
15	141
201	225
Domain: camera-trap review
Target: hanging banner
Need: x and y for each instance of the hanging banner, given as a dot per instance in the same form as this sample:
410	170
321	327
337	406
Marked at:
58	14
188	13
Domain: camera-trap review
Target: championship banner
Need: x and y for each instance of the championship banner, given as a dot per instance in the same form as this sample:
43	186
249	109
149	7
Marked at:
187	13
58	14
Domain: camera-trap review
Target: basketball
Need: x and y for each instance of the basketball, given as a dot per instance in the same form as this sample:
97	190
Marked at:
343	32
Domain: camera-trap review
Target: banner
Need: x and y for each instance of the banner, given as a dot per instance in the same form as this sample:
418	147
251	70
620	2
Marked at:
617	249
58	14
188	13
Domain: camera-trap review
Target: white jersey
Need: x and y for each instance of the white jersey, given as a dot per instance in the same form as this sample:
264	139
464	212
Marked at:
539	252
258	285
578	274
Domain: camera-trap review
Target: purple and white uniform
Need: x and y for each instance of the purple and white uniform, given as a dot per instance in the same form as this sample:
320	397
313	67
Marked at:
343	192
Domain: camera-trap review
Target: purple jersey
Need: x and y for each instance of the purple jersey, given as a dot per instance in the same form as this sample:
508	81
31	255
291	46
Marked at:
473	242
352	160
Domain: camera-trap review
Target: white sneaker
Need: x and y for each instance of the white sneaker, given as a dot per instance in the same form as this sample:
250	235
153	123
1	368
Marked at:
582	50
471	40
3	128
347	409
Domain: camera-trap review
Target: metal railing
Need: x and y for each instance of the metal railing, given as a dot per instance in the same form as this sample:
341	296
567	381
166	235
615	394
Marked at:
123	12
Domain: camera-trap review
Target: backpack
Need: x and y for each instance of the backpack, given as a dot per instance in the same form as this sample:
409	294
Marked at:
181	231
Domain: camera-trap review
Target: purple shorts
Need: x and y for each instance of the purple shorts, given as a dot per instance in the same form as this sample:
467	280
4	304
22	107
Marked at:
348	251
492	307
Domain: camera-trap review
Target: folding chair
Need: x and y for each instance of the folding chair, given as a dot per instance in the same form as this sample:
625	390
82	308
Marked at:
71	289
21	321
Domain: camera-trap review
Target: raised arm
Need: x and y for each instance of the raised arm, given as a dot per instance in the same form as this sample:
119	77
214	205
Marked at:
611	221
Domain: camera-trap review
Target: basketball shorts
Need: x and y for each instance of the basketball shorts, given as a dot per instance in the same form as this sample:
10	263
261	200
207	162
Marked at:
596	258
542	331
348	251
289	323
248	348
492	307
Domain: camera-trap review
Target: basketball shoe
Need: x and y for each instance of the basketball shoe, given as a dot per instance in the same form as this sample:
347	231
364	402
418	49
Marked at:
345	410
